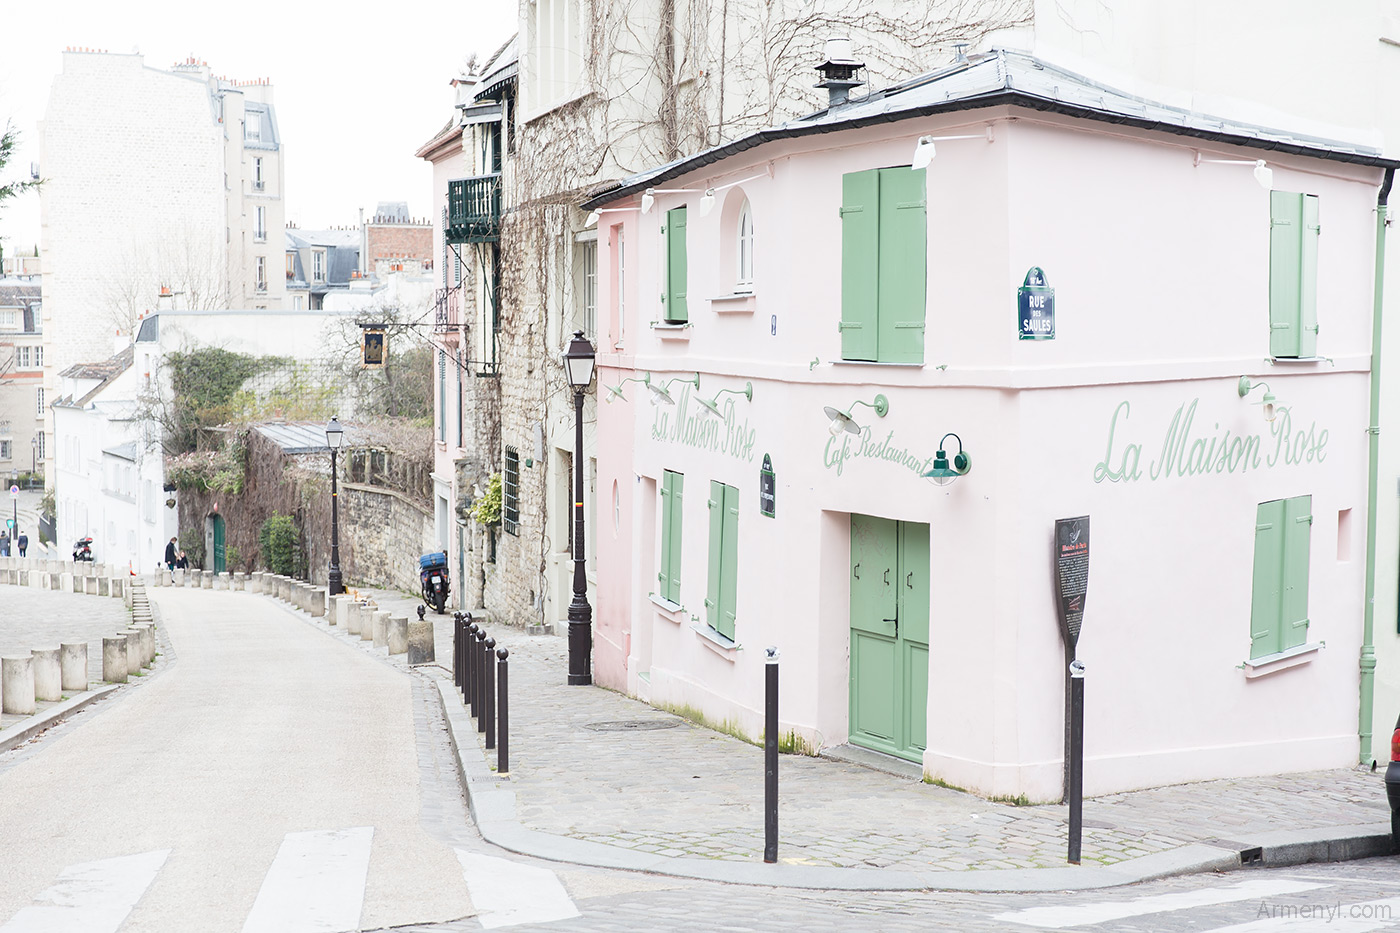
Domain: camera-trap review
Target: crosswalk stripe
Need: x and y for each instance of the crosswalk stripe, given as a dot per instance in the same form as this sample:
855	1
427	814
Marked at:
506	893
1361	917
93	897
1058	918
316	883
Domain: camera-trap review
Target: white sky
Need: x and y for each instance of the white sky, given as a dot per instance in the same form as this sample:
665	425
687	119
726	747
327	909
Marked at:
358	86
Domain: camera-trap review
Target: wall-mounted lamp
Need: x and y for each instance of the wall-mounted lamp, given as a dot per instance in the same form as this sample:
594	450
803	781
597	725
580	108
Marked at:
594	214
711	405
944	472
842	420
1268	401
660	395
924	150
649	196
707	203
1262	173
616	391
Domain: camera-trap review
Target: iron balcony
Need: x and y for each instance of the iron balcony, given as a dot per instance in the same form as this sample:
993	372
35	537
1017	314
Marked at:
474	209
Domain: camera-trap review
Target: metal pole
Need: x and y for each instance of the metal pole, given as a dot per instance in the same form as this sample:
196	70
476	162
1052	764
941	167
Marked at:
482	660
770	760
457	649
490	716
1076	760
580	613
334	583
470	658
502	695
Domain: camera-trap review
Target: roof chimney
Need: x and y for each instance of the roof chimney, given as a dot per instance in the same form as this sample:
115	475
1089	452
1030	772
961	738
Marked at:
838	71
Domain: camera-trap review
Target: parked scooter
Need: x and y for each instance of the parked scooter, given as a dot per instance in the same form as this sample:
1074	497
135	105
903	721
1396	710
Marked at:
432	571
83	549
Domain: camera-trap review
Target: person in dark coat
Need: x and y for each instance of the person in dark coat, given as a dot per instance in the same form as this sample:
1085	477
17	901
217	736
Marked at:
182	562
22	542
4	544
170	555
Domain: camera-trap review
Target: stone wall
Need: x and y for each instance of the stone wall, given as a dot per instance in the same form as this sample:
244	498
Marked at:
389	532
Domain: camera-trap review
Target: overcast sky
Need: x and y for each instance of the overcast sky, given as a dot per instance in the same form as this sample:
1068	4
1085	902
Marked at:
358	87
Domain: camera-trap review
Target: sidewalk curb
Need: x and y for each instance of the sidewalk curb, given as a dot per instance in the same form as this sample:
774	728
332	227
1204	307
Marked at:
492	805
22	731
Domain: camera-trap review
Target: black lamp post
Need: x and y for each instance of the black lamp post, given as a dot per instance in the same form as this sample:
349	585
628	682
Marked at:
33	458
578	366
335	436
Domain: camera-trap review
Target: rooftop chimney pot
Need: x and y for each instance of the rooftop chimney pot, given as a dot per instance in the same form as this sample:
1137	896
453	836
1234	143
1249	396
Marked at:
838	71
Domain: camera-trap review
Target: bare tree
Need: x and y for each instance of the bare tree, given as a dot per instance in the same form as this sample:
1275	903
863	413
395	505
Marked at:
178	262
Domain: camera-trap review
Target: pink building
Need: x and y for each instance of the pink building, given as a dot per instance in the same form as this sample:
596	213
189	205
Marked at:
1079	291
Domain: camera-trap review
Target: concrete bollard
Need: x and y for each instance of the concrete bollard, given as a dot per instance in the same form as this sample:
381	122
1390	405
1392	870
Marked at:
367	620
114	667
352	624
381	628
148	642
397	634
304	597
104	586
318	602
206	579
158	578
48	675
133	650
65	581
72	663
90	586
343	607
420	642
219	581
17	685
39	579
240	582
117	586
332	604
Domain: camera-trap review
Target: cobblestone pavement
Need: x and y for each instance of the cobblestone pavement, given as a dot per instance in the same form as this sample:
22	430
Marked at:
31	618
684	790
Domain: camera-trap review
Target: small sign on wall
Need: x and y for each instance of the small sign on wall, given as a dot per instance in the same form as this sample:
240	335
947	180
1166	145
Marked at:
1035	301
767	488
1071	575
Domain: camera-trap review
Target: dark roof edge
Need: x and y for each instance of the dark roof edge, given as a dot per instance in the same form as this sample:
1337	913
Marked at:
1011	98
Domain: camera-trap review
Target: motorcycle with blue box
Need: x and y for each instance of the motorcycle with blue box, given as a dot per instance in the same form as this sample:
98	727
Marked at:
432	571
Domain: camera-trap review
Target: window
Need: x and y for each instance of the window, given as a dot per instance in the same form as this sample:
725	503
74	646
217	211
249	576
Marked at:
1293	236
722	592
587	292
297	303
1278	618
4	427
442	396
291	265
9	319
21	357
318	265
39	401
673	300
884	236
5	448
38	357
252	126
619	330
554	54
669	578
257	173
260	224
510	493
39	448
744	280
262	273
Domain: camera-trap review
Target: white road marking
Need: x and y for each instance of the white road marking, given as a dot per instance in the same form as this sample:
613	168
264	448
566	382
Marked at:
1334	917
316	883
506	893
93	897
1057	918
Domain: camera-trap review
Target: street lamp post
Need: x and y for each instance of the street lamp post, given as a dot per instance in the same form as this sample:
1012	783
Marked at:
578	365
335	436
33	458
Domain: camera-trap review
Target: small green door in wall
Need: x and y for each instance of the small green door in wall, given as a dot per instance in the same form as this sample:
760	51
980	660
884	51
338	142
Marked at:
889	635
220	554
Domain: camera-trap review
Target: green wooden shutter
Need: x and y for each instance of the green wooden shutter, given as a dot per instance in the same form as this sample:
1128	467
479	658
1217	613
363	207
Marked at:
1285	272
1297	540
1307	274
676	270
670	574
729	563
712	591
860	263
442	396
902	265
1268	579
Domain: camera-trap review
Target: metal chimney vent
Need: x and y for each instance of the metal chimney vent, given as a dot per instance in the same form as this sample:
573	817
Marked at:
838	71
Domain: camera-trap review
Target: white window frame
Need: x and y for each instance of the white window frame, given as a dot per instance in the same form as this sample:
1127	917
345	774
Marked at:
260	224
318	265
258	173
252	126
261	279
39	400
744	243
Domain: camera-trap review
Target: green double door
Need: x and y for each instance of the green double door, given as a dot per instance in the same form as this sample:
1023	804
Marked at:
220	555
889	635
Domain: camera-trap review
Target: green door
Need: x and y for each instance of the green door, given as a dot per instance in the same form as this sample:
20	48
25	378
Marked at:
220	554
889	635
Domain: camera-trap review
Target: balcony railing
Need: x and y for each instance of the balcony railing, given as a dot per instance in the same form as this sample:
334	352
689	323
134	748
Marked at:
474	209
447	308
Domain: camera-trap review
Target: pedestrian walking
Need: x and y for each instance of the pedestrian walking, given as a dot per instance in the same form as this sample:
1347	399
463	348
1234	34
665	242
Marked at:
4	544
23	543
170	555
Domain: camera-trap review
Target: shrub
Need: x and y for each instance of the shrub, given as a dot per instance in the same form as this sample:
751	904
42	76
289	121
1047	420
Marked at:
487	509
277	540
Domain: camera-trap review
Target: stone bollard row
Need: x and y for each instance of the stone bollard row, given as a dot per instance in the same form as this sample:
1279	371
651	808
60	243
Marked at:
42	675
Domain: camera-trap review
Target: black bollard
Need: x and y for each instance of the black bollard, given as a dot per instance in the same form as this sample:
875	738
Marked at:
461	658
482	660
469	666
502	711
490	716
770	760
1076	760
457	649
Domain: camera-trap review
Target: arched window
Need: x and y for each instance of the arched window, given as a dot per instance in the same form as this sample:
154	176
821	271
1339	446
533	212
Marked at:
744	280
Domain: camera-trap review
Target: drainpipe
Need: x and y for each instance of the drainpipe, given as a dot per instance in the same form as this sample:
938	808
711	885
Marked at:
1368	649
